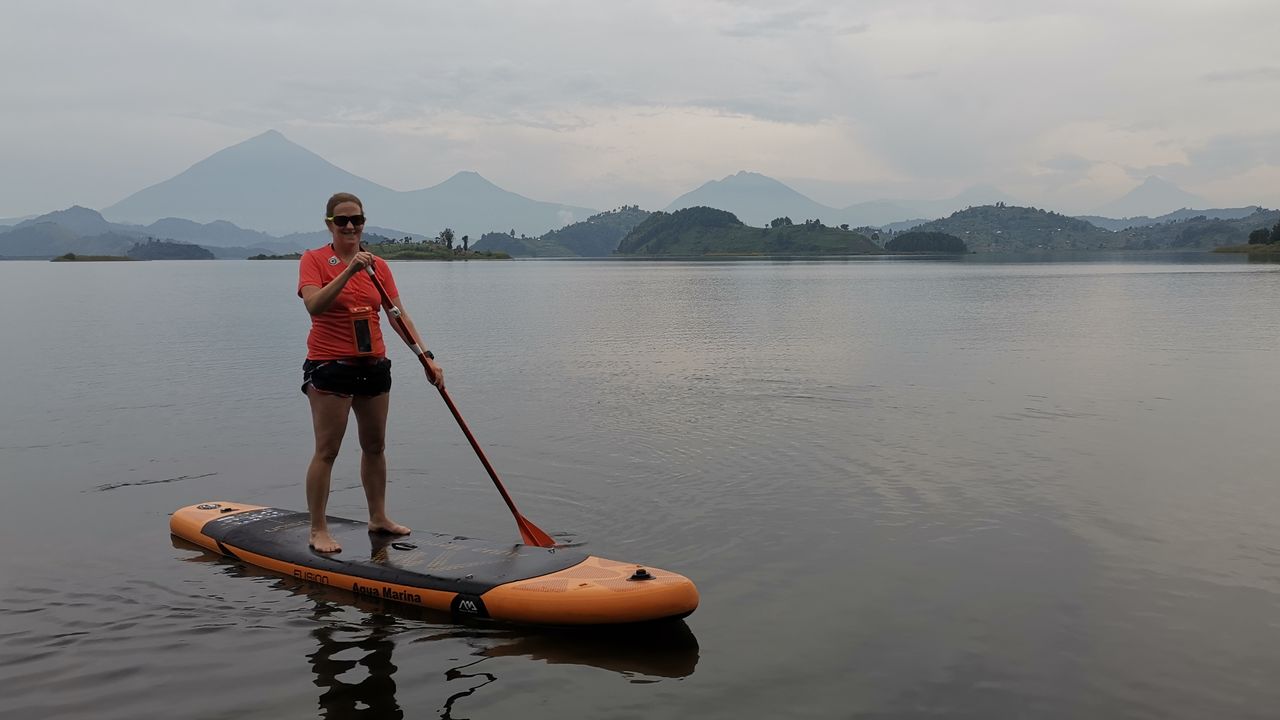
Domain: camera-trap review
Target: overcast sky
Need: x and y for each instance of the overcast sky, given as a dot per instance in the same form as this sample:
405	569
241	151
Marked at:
1064	104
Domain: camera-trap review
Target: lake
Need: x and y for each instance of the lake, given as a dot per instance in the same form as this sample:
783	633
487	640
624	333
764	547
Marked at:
974	488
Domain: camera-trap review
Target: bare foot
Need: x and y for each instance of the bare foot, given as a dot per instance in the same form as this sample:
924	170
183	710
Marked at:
386	526
322	541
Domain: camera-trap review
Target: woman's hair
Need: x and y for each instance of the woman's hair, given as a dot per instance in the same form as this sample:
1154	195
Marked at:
338	199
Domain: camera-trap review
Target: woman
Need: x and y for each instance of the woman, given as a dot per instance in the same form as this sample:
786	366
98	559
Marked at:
347	368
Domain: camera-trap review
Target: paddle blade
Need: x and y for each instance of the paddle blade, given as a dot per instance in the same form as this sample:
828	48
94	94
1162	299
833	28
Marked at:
532	535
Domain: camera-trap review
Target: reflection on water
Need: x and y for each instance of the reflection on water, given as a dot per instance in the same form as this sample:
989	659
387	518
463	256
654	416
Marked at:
353	665
342	649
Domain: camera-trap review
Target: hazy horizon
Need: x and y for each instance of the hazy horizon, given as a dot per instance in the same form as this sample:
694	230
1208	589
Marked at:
1066	106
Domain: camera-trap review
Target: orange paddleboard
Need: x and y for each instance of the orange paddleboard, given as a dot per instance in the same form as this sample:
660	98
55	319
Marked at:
464	576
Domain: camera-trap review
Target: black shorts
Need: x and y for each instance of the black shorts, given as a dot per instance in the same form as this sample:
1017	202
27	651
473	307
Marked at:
365	377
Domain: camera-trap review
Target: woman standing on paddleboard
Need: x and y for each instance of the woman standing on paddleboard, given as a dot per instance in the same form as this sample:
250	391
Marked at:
347	368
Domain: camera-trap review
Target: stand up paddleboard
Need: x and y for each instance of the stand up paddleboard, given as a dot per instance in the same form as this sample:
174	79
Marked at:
464	576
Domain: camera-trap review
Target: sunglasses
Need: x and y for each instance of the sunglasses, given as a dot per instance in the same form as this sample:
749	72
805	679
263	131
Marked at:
344	220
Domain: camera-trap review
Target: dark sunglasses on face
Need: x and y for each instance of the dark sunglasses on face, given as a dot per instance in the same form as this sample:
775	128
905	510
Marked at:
343	220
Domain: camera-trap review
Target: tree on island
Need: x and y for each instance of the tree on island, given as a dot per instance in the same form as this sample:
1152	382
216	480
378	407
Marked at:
1263	236
780	222
154	249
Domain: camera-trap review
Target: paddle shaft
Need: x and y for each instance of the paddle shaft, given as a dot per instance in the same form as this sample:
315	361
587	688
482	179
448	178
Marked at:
530	533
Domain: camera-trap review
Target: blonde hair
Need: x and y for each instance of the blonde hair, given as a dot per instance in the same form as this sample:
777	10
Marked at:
338	199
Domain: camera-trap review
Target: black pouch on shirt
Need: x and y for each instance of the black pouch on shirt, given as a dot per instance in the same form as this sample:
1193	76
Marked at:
361	317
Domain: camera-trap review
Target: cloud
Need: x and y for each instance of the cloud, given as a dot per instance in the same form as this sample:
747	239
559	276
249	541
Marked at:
643	100
1068	164
1252	75
771	24
916	75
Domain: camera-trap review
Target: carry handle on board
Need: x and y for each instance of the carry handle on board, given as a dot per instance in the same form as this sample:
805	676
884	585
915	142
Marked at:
531	534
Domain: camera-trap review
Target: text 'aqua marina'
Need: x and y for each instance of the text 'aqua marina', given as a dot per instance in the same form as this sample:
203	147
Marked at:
387	593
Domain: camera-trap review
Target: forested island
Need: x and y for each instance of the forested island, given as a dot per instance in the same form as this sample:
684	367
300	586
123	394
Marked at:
440	248
154	249
72	257
706	231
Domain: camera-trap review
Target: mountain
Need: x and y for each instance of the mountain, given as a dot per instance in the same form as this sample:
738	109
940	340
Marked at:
271	184
266	183
471	205
1154	196
756	199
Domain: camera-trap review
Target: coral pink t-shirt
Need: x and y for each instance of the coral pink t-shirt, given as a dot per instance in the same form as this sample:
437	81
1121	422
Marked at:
334	331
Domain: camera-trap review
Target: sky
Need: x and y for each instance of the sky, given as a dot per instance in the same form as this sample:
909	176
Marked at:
1062	104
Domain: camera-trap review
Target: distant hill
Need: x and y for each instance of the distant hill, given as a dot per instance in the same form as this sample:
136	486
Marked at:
83	231
1114	224
757	199
708	231
1000	228
218	232
1008	228
904	225
1197	233
877	213
80	221
597	236
271	184
40	240
1155	196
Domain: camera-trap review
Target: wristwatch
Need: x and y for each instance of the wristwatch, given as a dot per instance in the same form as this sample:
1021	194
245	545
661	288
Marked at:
429	354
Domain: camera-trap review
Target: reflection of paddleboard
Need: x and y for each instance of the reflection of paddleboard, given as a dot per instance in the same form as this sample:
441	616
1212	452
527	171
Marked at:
468	577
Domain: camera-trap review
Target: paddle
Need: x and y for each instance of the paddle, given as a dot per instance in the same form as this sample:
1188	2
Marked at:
529	532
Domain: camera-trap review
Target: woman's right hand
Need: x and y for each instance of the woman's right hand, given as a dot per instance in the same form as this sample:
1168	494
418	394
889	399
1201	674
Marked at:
363	259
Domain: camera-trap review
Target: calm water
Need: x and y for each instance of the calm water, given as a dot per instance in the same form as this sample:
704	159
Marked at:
905	489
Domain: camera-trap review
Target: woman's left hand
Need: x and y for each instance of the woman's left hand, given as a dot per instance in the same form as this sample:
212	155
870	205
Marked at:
435	373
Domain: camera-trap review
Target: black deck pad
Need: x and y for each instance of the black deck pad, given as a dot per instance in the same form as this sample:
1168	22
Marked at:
427	560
